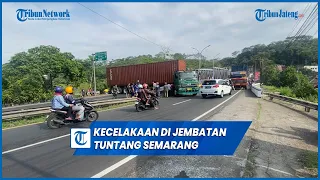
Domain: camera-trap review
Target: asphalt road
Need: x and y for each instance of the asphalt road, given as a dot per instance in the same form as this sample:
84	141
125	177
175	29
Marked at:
47	104
54	157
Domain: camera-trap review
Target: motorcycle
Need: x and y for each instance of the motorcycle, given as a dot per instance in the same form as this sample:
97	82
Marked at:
141	105
56	119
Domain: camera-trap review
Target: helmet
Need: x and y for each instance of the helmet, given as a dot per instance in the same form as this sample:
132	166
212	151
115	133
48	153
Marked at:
58	89
145	85
69	89
140	86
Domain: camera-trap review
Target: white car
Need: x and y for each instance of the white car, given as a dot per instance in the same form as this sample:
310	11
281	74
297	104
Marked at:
215	87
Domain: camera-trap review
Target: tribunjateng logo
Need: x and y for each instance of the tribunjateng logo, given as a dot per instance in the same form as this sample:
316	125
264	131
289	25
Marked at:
45	15
263	14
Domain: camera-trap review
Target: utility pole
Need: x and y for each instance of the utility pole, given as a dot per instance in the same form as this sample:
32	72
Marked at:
94	74
213	65
200	53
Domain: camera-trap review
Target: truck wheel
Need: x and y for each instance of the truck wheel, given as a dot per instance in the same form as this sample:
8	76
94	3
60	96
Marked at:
175	93
203	95
194	94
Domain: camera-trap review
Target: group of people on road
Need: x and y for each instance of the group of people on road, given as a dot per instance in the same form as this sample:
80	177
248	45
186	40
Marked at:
67	103
142	91
89	92
131	90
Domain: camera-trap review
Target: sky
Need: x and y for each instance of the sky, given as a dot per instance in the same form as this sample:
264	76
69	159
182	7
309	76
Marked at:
226	27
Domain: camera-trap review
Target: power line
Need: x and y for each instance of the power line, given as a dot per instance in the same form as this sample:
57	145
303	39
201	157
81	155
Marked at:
298	22
305	25
299	32
122	26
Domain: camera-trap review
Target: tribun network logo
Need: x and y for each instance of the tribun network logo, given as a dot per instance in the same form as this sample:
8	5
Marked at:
46	15
80	138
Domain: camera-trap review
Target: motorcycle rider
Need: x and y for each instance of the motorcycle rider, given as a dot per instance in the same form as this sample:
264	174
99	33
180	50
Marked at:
58	103
140	94
147	93
77	107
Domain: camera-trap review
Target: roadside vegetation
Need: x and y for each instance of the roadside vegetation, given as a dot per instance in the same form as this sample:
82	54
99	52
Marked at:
29	77
290	82
309	161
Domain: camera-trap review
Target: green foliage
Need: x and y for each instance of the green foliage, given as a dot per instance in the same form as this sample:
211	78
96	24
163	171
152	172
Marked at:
286	91
24	74
270	75
304	51
293	84
288	77
302	88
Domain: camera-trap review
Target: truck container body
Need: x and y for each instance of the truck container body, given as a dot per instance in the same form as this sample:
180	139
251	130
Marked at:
172	72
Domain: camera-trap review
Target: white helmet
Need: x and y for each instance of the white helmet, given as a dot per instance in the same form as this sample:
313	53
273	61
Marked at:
140	86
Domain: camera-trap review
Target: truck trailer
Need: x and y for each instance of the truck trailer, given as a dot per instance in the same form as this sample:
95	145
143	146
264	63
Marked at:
173	72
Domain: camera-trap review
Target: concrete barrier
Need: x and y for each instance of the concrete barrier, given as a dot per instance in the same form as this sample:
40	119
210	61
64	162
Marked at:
256	89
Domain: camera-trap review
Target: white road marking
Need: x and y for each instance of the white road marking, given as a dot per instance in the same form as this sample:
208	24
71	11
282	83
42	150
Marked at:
30	145
181	102
113	167
202	115
129	158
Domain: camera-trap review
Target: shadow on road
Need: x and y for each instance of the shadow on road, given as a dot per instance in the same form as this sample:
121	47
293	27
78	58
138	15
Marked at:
249	94
309	137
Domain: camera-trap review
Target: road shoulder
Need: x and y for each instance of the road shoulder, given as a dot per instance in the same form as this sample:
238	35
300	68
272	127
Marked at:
280	136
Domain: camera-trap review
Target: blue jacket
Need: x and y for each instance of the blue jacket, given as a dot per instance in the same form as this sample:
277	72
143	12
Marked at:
58	102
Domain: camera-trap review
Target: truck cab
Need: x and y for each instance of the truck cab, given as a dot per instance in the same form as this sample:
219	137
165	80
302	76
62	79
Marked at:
186	83
239	80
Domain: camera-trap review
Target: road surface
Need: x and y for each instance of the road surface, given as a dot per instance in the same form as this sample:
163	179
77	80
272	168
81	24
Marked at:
22	158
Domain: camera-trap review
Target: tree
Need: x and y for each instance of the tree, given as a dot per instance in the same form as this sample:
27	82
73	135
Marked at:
25	73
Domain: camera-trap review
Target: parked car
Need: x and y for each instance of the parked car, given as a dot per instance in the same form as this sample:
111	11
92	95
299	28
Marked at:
216	87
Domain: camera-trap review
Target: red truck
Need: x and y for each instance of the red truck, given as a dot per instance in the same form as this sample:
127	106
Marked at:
239	79
173	72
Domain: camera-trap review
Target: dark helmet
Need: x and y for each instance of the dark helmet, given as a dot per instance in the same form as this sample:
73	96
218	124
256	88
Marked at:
58	89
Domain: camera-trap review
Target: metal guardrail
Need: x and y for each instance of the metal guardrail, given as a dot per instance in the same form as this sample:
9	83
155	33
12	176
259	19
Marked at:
11	115
8	106
307	105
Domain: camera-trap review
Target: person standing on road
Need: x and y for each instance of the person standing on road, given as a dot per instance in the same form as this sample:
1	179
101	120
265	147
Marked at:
115	91
158	89
154	85
129	89
166	90
83	93
132	89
